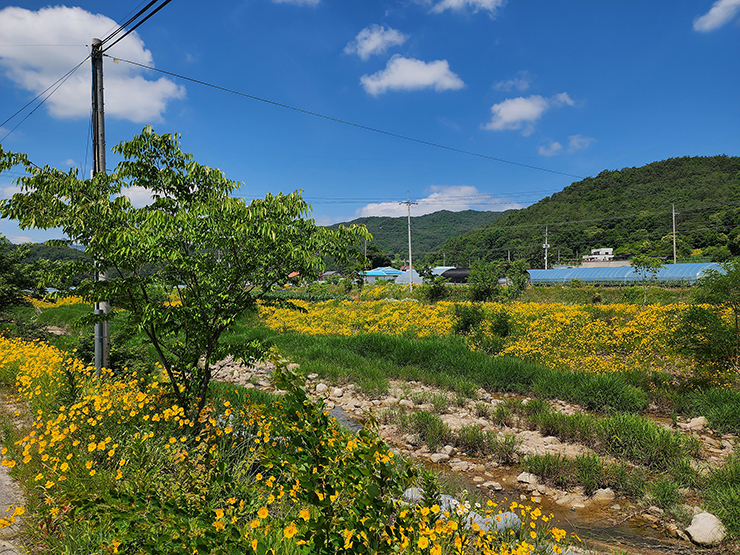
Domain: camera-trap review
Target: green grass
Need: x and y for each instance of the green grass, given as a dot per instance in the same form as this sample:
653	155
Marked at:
723	494
371	359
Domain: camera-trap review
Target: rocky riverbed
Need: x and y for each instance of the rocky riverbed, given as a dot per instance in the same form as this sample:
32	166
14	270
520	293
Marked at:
604	520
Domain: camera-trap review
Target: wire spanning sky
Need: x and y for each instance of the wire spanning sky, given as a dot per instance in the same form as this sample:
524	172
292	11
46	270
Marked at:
571	87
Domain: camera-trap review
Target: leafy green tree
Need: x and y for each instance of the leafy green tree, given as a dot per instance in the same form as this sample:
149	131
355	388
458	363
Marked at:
647	267
722	288
435	286
376	257
210	257
517	276
483	281
14	277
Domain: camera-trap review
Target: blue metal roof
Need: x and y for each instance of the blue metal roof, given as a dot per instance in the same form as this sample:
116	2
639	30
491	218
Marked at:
382	272
621	274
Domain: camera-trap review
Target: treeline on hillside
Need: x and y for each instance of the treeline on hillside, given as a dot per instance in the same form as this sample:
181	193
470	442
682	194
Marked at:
429	232
26	269
629	210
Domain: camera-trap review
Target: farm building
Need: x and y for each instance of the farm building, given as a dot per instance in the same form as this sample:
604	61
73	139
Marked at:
685	274
385	273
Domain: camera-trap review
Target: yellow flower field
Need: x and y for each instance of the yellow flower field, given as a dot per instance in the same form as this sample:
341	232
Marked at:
594	338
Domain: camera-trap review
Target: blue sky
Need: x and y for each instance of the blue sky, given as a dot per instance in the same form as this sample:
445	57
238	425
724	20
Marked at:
574	87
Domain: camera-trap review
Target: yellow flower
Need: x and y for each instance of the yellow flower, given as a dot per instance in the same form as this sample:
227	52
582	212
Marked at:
423	542
219	514
263	512
290	530
305	514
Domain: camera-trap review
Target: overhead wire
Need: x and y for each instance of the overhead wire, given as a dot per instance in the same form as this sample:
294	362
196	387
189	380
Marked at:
44	91
129	21
132	29
343	121
59	82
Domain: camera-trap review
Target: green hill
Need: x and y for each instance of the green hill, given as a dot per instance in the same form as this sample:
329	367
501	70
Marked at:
428	232
628	209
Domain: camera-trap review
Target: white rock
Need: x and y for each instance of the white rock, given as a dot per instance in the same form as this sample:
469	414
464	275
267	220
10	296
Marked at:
706	530
698	423
527	478
337	392
606	494
437	458
406	403
321	388
312	376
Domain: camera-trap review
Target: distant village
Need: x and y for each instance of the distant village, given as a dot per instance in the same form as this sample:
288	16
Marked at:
601	266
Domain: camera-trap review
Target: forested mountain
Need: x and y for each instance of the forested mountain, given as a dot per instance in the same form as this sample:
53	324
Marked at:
628	209
428	232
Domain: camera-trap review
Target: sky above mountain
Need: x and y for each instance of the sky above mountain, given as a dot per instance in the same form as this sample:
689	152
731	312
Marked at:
525	97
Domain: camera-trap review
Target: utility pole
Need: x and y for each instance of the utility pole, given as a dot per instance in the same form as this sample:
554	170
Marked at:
673	210
102	329
408	204
545	246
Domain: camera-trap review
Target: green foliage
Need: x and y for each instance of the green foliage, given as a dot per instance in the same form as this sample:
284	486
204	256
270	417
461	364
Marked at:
591	213
703	334
647	268
722	288
14	278
435	287
483	281
184	268
723	494
639	440
467	317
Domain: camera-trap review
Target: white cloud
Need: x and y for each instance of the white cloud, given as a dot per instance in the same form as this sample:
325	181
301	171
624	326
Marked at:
298	2
20	239
408	74
722	12
8	192
578	142
454	198
522	113
128	95
375	39
551	149
520	83
475	5
139	196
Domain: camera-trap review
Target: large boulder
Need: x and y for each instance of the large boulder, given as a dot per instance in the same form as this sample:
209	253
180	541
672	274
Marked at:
706	530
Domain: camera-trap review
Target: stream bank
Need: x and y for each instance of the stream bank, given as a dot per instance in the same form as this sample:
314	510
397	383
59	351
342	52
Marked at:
604	521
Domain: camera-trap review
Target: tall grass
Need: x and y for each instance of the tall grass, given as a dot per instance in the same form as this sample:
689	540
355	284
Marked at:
446	362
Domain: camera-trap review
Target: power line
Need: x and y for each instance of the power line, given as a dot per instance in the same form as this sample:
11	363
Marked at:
345	122
59	82
65	76
132	29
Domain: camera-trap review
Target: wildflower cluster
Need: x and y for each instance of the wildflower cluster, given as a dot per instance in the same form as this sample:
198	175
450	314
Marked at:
610	338
110	465
53	303
350	318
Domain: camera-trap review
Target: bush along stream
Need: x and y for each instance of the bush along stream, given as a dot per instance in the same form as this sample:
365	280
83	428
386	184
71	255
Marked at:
621	476
111	465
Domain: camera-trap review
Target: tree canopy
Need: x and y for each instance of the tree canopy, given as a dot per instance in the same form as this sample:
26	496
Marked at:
184	268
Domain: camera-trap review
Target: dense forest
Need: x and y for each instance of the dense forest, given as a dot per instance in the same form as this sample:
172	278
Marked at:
629	210
428	232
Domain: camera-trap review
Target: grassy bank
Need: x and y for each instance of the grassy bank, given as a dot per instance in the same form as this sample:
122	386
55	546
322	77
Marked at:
110	465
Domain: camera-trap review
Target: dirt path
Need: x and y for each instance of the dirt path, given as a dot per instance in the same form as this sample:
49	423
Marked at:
10	493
